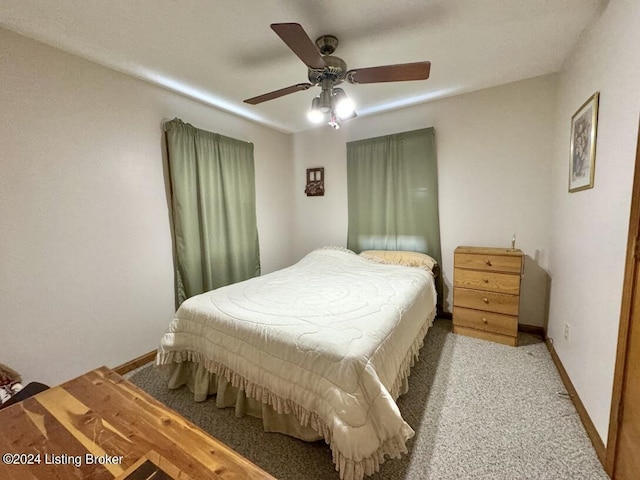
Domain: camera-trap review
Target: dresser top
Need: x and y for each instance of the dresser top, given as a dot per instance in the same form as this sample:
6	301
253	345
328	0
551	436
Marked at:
490	251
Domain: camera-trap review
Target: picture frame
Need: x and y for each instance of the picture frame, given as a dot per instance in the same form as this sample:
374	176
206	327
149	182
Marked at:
584	129
315	182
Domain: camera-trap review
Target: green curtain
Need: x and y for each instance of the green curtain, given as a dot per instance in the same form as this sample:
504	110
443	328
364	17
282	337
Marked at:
392	184
214	209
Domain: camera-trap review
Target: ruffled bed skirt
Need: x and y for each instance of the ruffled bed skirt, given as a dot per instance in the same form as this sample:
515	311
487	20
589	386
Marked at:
202	383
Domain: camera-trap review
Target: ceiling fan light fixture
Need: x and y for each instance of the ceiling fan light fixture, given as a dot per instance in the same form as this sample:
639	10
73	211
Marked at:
315	115
344	106
324	101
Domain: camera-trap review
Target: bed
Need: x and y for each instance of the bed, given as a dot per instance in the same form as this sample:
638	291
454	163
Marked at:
319	350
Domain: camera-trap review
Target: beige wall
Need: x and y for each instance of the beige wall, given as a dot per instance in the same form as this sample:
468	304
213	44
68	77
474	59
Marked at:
590	227
494	151
86	271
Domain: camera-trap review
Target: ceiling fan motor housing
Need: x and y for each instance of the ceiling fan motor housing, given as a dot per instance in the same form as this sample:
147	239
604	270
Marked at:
335	70
327	44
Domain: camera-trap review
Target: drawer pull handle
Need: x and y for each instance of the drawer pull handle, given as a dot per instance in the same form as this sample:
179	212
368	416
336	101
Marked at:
484	320
488	263
485	300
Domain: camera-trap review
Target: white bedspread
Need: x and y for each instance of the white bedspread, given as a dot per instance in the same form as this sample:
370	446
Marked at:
330	339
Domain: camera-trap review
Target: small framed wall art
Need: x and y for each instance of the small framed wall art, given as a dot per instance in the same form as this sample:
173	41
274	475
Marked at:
584	127
315	182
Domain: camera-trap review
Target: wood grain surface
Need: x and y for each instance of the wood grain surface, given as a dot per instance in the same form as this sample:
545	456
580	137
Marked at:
487	321
488	259
488	281
99	426
486	293
487	301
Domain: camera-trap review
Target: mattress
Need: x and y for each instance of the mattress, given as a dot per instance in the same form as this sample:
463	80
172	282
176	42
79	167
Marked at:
329	340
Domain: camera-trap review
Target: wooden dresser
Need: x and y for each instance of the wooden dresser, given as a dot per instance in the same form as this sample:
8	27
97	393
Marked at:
486	293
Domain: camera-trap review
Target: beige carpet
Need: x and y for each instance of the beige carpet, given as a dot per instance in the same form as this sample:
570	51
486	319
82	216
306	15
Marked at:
480	411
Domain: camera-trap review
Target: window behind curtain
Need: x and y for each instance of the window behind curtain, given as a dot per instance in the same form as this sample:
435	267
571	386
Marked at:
392	186
214	209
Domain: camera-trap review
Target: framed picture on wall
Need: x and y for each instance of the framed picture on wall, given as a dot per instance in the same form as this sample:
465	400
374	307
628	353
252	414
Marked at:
315	182
584	126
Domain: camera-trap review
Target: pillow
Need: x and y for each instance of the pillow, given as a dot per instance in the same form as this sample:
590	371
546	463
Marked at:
402	257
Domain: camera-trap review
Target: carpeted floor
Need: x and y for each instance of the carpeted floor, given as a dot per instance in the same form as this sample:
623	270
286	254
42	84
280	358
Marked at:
480	411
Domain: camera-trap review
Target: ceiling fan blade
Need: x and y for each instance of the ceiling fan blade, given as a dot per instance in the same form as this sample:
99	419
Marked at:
299	42
278	93
390	73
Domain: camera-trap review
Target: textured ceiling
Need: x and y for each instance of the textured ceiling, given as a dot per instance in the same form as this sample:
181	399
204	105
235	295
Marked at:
222	52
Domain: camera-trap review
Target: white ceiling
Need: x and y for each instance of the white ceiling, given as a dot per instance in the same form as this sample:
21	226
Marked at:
223	51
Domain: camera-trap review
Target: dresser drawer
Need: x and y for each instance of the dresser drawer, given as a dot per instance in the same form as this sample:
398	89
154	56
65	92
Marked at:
489	301
488	262
487	321
495	282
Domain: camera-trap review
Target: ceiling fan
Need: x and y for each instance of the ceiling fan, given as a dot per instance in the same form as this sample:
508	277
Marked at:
327	71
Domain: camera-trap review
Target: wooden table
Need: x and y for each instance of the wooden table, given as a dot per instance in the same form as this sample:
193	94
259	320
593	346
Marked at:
99	426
